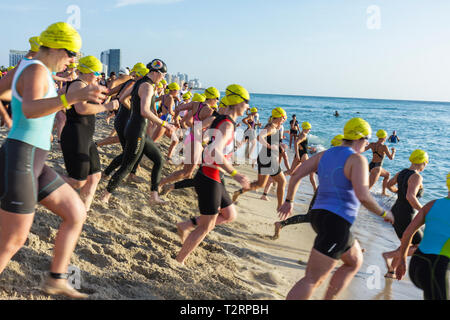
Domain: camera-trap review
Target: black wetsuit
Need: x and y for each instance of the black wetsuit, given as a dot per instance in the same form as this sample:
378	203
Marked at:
79	150
301	218
304	148
403	212
137	143
376	164
120	123
267	159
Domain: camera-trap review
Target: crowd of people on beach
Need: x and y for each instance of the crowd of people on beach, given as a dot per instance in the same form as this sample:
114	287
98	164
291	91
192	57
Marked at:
52	92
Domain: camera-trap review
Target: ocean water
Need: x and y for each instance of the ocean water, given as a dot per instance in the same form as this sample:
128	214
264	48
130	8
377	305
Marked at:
419	125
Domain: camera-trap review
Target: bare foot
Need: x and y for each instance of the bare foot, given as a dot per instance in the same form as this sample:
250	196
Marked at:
166	189
278	227
105	197
155	200
61	287
183	230
236	195
263	197
134	178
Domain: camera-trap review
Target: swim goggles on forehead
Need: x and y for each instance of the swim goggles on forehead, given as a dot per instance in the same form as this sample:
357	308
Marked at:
97	74
236	94
213	93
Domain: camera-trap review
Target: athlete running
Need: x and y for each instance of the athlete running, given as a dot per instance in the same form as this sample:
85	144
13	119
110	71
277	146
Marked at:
79	150
379	150
268	157
294	130
410	189
214	202
301	152
343	185
26	179
303	218
142	100
429	264
197	111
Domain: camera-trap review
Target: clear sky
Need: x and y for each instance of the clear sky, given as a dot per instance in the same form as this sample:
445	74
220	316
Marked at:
398	50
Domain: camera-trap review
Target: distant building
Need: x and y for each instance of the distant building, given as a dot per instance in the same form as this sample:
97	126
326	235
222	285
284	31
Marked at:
15	56
111	59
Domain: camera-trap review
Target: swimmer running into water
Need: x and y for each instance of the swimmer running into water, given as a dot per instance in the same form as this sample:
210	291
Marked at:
376	170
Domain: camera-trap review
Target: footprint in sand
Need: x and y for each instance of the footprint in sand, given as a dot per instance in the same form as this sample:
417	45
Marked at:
266	278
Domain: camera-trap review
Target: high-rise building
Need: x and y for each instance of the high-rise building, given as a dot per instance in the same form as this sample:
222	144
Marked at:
111	58
15	56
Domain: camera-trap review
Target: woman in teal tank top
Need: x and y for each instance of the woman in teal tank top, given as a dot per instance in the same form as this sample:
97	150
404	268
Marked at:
25	179
429	264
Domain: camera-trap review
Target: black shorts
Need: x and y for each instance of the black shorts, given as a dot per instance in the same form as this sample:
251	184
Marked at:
25	179
402	218
293	131
333	233
374	165
428	272
212	195
272	168
80	152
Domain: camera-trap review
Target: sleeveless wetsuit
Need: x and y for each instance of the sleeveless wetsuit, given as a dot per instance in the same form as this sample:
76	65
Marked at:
25	179
403	212
209	186
267	159
303	148
376	164
429	264
137	143
120	124
336	205
79	150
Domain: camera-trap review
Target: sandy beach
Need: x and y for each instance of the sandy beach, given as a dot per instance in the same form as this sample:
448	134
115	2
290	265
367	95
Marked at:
127	250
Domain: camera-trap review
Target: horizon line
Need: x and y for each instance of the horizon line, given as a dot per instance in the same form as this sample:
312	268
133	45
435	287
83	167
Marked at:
383	99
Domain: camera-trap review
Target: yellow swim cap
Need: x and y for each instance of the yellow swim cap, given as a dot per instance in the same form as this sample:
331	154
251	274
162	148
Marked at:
236	94
61	35
212	93
198	97
337	140
163	81
72	65
222	103
381	134
138	66
141	72
306	125
448	181
187	95
253	110
356	129
278	113
89	64
35	43
418	157
174	86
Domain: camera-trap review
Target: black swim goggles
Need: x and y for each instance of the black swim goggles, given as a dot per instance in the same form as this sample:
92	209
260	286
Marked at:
236	94
70	54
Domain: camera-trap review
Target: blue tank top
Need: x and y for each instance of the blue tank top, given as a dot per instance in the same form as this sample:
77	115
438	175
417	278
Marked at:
32	131
436	237
336	192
